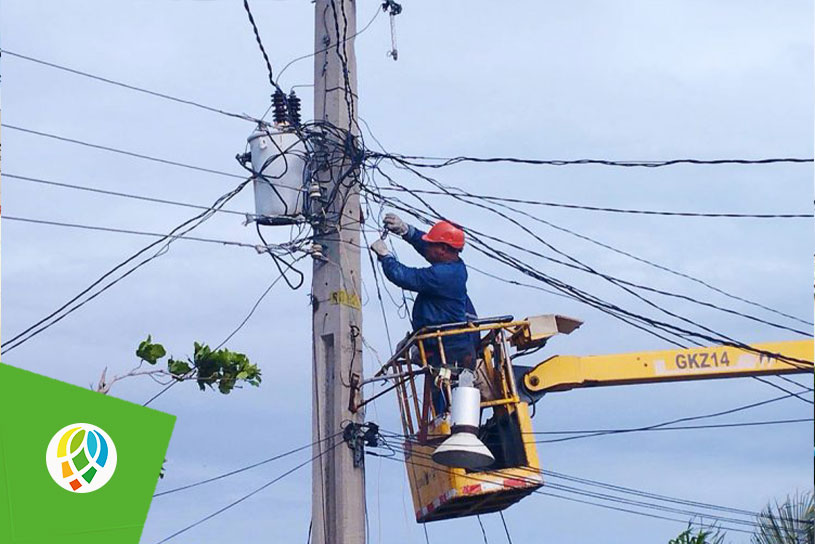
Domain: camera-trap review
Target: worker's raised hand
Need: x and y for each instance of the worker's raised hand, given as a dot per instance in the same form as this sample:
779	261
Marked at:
394	224
380	248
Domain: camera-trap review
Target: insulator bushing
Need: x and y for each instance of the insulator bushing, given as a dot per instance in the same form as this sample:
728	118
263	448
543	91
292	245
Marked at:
279	105
316	251
294	108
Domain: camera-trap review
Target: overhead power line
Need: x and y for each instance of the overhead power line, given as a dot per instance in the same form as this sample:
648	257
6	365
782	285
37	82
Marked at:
122	152
378	10
465	196
506	529
420	161
643	322
679	427
117	193
260	43
127	231
165	96
244	468
703	510
670	422
95	289
611	210
248	495
605	485
255	306
637	320
597	496
784	389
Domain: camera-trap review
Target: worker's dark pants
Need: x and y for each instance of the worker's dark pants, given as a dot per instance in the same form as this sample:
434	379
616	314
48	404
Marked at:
462	358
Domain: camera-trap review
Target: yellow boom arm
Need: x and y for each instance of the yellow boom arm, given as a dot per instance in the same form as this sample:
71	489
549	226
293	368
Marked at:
564	372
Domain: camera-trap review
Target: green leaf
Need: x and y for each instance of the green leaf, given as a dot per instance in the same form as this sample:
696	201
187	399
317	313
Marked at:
178	368
149	352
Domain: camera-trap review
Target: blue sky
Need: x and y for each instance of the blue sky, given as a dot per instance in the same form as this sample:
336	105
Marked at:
565	80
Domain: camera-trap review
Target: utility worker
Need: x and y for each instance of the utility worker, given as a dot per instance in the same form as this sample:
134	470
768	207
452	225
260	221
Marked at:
441	287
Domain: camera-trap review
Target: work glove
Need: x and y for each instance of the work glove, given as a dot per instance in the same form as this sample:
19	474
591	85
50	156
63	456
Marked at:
380	248
394	224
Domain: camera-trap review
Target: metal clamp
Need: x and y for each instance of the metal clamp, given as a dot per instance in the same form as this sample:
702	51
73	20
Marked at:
359	435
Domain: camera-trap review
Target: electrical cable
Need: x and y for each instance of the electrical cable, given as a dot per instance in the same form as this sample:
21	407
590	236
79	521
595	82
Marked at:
244	497
665	326
784	389
578	265
611	498
680	427
483	532
506	529
241	469
241	116
650	495
161	392
415	160
69	307
666	293
259	42
122	151
289	266
789	380
613	487
119	194
606	307
671	422
617	210
598	496
127	231
303	57
254	307
628	254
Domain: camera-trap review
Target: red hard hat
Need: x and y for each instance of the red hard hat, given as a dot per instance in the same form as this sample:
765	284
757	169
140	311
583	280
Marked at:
445	232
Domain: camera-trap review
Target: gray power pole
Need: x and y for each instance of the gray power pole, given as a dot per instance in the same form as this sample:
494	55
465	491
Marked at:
338	487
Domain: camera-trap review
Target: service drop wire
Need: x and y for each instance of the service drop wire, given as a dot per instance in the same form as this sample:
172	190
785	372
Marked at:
681	509
504	258
596	496
248	495
619	489
724	215
259	300
636	258
442	162
67	308
645	287
607	307
566	289
128	86
604	485
289	266
244	468
579	265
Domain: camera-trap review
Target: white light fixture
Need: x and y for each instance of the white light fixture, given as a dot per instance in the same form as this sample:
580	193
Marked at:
463	449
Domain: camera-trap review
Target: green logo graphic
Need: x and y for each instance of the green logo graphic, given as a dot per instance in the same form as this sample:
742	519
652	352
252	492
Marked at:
81	458
76	466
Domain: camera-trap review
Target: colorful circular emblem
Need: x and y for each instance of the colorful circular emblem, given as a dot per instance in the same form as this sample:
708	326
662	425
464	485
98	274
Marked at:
81	458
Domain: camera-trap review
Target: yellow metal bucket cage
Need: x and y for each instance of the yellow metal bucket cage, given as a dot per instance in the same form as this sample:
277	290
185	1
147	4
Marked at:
440	492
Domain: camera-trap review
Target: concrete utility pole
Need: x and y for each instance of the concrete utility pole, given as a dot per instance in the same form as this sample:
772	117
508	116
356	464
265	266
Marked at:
338	487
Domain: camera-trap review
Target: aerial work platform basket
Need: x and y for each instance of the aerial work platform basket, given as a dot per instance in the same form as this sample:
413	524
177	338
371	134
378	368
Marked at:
441	492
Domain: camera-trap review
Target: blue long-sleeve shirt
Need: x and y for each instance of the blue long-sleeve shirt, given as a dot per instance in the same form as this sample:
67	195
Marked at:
441	291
